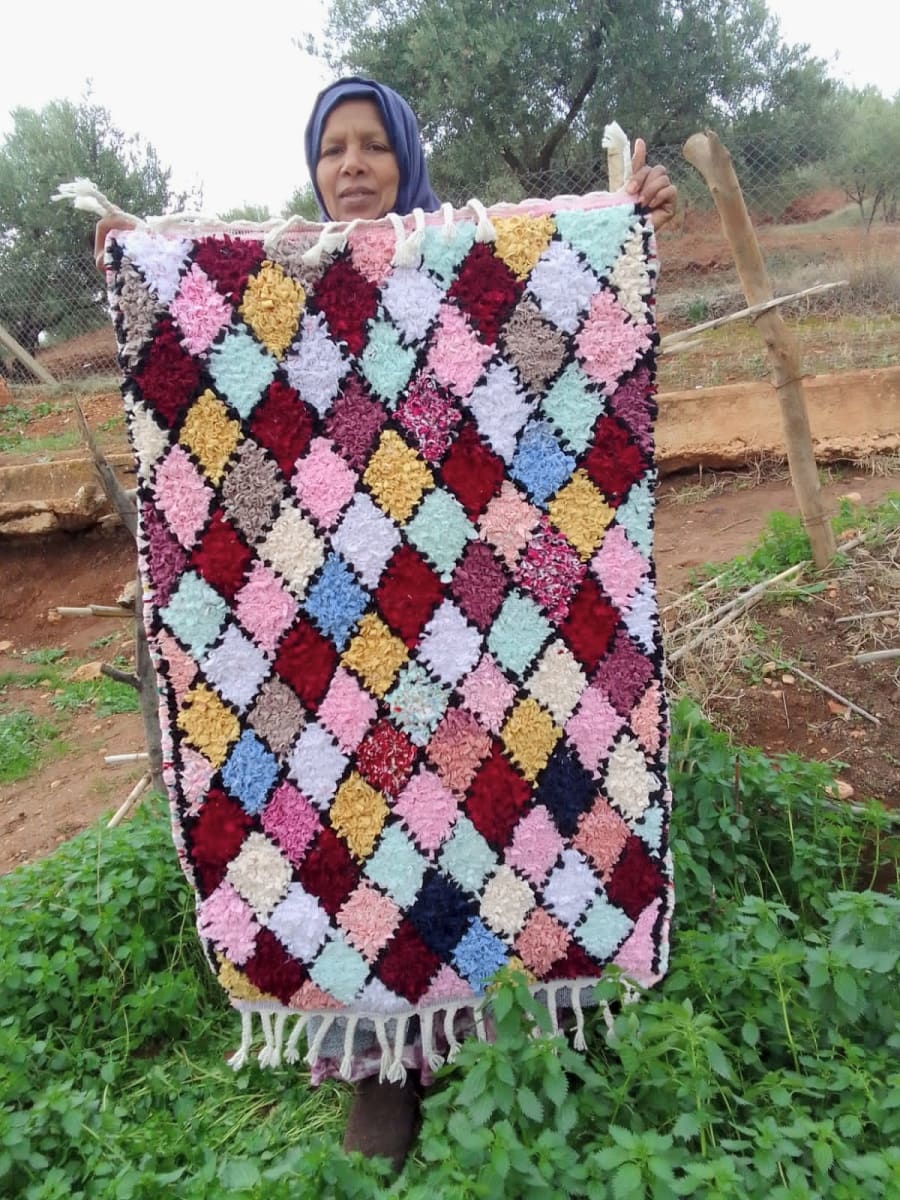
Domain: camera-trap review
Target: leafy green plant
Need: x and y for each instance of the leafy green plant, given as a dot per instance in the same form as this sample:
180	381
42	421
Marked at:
764	1066
23	739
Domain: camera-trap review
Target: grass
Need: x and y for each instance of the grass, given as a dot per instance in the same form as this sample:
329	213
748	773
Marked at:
763	1068
26	739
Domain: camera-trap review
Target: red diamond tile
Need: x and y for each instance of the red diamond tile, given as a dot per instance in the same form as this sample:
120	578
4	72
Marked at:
215	838
575	965
408	594
221	557
168	378
349	301
408	965
306	661
636	880
328	872
472	471
497	797
283	424
229	262
354	422
613	462
272	969
486	290
589	627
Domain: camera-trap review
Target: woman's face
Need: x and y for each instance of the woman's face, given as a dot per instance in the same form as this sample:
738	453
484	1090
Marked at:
357	173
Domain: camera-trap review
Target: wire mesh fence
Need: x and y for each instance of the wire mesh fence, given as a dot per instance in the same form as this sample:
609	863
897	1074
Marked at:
810	231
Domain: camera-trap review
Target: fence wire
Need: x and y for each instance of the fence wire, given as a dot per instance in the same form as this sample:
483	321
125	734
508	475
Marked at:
811	232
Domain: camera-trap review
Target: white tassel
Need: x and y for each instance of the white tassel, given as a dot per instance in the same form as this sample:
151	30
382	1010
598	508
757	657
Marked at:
484	231
333	237
449	222
278	1045
291	1051
430	1055
578	1042
450	1033
264	1058
408	252
617	145
86	196
277	232
397	1072
552	994
240	1056
316	1045
349	1035
609	1019
381	1034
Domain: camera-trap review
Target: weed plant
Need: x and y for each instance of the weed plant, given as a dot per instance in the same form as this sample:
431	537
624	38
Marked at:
784	542
765	1066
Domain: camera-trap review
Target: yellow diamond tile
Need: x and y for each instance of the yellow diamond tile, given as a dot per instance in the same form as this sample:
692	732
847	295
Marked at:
210	434
396	476
529	736
272	306
580	512
357	815
236	983
375	654
521	241
208	725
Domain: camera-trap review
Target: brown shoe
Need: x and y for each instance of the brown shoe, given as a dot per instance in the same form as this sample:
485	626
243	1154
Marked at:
384	1119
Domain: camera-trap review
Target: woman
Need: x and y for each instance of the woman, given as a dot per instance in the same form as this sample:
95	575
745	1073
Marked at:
365	158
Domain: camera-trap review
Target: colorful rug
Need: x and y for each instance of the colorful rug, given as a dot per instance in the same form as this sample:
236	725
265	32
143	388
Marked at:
396	496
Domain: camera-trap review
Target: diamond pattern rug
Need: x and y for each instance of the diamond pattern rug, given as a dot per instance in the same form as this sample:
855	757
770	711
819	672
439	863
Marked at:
395	540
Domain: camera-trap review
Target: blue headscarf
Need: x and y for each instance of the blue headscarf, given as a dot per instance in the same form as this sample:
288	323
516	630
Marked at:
402	130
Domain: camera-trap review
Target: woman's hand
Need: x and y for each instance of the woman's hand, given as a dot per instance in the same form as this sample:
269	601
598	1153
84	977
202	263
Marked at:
107	225
651	186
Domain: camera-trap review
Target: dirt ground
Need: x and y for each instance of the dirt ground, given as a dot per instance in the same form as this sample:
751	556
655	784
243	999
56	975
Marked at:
704	519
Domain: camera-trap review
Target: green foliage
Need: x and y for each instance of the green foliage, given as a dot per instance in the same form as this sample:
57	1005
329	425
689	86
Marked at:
784	543
247	212
508	92
48	279
763	1067
302	203
866	155
23	739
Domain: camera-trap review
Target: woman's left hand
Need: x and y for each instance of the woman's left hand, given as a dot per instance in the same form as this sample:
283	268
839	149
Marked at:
651	186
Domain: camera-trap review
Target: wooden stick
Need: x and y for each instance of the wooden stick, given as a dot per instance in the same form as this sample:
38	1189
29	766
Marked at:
707	633
795	670
120	676
39	371
95	610
114	490
868	616
876	656
138	756
683	599
712	160
739	599
669	342
149	696
129	802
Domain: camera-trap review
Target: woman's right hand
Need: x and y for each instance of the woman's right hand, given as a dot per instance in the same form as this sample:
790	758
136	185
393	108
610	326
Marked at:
107	225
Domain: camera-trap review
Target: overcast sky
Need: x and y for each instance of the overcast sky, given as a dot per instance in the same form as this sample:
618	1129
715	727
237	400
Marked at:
224	99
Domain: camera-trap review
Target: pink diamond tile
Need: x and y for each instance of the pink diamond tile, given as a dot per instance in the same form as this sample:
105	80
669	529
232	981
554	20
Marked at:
508	522
292	821
264	607
428	809
593	727
488	693
619	567
323	482
200	310
456	358
347	711
183	495
601	836
535	846
368	919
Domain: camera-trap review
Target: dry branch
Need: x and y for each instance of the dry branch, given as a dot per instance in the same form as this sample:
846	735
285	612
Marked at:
868	616
739	601
114	759
120	676
129	802
116	494
95	610
823	687
671	341
871	656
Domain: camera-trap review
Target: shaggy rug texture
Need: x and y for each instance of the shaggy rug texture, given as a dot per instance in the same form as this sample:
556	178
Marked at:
396	498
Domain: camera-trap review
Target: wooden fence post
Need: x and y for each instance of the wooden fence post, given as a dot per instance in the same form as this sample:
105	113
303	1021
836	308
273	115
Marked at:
705	152
27	360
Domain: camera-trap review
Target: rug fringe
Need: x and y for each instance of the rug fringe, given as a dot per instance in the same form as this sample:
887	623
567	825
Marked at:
276	1050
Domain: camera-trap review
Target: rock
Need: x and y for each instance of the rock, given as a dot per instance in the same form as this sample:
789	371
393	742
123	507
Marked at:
127	595
769	668
5	646
853	497
54	784
53	616
841	790
87	671
788	678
